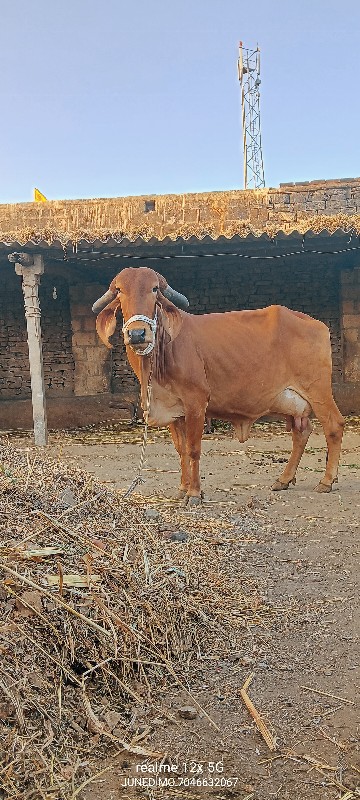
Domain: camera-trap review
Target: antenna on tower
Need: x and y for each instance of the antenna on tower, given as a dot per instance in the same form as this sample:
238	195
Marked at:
249	77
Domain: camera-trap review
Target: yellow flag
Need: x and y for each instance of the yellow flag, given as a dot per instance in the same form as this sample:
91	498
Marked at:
39	197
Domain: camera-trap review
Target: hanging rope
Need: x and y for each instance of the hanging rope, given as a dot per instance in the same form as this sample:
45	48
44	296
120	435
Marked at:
139	479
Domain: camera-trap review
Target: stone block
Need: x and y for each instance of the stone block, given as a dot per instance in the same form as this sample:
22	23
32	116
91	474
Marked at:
352	365
96	384
191	216
235	214
351	335
79	310
76	324
92	291
88	323
85	339
281	198
208	215
334	206
315	206
285	216
351	321
80	354
348	307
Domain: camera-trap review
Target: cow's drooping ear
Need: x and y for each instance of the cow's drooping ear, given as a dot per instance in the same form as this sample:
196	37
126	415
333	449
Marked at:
162	282
171	317
106	322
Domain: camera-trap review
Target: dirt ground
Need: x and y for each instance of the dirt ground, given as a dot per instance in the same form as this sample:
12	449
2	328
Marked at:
301	550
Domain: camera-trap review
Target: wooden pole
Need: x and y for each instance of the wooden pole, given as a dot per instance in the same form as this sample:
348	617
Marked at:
30	273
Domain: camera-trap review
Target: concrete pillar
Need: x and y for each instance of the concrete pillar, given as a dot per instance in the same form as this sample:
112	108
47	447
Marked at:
30	268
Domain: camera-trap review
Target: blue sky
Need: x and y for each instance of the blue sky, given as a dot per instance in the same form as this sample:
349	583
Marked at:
127	97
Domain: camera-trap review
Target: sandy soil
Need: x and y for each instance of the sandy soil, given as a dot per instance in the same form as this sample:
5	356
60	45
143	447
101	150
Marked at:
301	549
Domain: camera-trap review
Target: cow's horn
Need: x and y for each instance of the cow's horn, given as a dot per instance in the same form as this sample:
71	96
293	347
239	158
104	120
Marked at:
103	301
178	299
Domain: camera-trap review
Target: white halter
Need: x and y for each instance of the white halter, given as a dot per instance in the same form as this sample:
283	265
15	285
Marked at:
153	326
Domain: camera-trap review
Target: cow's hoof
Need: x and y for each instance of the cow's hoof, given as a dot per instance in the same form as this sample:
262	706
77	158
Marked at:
323	488
181	494
278	486
193	501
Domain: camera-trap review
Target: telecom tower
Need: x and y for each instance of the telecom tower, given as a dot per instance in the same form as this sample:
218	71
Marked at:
249	77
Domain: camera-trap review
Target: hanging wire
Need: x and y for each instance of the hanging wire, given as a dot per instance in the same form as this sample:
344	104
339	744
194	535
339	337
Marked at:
101	256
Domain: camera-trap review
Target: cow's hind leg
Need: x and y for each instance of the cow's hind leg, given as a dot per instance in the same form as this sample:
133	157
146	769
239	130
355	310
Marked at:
333	426
299	438
178	434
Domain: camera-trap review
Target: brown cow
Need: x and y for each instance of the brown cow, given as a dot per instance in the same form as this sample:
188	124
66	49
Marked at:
236	366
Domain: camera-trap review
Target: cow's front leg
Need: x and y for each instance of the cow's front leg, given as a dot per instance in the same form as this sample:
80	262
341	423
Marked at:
194	421
177	430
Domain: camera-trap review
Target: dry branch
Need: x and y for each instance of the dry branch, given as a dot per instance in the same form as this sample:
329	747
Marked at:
328	694
268	738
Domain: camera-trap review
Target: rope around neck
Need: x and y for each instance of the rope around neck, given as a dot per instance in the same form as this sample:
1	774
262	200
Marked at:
150	349
139	479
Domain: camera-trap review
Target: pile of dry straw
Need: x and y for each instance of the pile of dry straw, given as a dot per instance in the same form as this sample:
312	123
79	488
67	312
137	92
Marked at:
100	609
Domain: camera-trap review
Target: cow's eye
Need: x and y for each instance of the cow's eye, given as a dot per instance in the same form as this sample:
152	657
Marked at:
155	289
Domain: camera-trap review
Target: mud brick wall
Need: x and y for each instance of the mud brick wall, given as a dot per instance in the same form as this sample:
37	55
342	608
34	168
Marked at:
56	335
350	291
123	380
76	361
98	370
92	359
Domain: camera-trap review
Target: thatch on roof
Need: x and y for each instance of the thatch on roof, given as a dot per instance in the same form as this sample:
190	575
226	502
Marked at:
212	214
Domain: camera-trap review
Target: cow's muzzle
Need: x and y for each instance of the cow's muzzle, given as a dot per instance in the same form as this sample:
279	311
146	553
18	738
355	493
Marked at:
136	337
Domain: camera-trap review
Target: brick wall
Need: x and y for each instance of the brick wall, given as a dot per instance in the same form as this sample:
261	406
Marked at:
293	202
350	286
75	361
92	358
123	380
56	335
